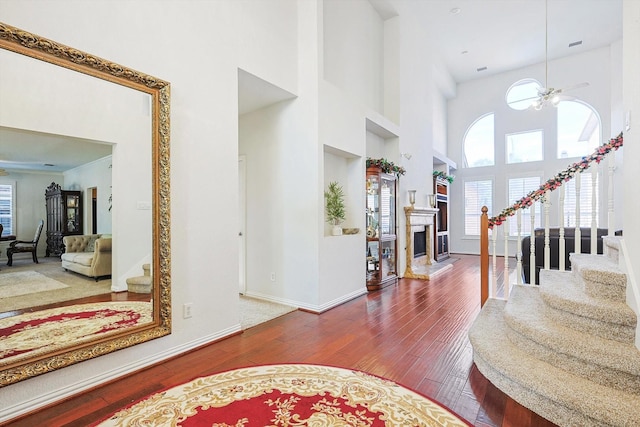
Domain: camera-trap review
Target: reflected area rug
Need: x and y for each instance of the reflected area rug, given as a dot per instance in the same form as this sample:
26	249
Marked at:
286	395
26	282
31	334
49	270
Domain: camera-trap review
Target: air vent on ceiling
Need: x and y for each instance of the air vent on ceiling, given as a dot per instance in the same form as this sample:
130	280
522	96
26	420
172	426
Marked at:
577	43
481	69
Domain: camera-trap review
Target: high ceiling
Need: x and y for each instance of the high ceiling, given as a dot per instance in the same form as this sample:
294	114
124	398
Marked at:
468	35
504	35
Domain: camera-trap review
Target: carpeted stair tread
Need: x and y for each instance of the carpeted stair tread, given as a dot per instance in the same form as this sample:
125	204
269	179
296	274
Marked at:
540	386
562	291
524	313
598	268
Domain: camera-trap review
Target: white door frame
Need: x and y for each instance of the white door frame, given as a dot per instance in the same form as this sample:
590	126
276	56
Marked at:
242	223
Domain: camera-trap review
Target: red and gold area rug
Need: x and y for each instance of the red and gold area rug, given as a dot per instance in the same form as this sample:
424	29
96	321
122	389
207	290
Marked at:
286	396
32	334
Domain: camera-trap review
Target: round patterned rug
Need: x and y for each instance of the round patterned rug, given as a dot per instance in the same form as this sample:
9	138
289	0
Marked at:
286	395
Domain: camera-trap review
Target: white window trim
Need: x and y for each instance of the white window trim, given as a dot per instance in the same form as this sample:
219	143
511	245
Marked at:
491	178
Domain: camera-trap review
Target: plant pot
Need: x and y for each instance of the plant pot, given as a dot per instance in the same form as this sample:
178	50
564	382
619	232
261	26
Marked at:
336	230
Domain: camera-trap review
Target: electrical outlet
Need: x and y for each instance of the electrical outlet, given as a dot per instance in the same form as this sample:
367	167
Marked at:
273	276
187	310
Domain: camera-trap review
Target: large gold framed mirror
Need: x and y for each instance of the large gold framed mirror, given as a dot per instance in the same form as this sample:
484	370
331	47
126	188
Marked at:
148	199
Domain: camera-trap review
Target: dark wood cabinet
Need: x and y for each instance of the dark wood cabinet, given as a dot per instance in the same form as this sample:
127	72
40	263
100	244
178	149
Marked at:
381	229
441	230
64	216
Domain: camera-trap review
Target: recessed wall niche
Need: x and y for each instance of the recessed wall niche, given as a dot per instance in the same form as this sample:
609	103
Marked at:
344	168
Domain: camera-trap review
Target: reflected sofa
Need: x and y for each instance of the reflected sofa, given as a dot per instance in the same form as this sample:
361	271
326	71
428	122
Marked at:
554	248
88	254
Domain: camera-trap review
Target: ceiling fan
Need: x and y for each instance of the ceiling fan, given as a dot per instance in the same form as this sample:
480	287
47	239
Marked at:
549	95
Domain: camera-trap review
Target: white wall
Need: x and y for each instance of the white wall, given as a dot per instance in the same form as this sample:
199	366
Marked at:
353	35
42	97
631	104
482	96
202	68
282	42
96	174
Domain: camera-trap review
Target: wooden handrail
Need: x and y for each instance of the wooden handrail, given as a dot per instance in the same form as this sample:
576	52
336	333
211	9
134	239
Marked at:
484	256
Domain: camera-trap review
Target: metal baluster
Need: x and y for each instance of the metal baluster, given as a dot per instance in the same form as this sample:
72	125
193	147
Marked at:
561	244
577	235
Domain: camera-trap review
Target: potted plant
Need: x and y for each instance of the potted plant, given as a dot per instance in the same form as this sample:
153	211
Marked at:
336	211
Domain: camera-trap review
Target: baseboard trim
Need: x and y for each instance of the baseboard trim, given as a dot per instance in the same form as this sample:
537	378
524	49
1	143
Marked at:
316	309
39	402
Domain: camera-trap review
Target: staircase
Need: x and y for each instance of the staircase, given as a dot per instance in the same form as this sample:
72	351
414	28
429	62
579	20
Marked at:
565	349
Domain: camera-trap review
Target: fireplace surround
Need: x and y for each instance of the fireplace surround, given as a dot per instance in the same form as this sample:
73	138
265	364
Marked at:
419	222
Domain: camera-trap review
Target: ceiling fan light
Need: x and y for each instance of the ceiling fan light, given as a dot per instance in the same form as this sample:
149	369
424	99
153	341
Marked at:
555	100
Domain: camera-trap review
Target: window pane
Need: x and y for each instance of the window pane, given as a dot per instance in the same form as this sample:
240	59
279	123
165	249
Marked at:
524	147
578	129
518	188
522	94
476	195
478	143
6	208
586	212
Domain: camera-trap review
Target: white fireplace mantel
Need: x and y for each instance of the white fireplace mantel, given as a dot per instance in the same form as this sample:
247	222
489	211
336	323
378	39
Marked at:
419	219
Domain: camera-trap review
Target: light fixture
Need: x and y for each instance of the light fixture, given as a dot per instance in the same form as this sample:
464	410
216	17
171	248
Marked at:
412	197
432	200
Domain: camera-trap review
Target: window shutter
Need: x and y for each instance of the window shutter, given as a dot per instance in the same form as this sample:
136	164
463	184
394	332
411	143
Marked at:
476	195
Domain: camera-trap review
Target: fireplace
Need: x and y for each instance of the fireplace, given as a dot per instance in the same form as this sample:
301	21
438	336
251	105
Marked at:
419	252
419	243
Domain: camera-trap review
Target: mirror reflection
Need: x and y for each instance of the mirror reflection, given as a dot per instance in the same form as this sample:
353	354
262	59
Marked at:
80	197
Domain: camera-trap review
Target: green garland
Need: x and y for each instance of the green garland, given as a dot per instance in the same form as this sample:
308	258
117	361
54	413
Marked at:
557	180
386	166
443	175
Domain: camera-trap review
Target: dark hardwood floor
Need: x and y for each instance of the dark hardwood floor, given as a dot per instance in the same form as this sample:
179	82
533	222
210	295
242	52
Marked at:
414	333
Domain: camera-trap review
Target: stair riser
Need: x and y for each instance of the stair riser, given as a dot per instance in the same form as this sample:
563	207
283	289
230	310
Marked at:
605	291
540	404
602	375
612	331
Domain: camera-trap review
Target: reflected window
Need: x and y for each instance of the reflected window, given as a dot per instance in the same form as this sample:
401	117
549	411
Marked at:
523	93
7	204
578	129
479	143
524	147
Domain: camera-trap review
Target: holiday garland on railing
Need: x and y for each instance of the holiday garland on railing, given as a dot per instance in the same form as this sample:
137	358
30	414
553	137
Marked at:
557	180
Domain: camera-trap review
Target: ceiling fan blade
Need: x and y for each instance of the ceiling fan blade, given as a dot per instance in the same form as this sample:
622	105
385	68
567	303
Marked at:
573	87
523	100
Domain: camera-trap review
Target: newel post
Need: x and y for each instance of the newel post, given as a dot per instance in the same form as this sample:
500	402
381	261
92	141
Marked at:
484	256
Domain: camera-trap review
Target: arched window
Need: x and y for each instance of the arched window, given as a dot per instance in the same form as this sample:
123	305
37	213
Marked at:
578	129
523	93
479	143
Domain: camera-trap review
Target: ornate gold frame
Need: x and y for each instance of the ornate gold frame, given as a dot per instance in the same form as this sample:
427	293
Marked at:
37	47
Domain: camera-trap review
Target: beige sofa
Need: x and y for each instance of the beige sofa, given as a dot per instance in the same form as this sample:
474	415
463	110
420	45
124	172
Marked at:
88	254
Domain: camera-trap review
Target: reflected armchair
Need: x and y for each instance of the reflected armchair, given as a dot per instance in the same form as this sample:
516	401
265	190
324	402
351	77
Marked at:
19	246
